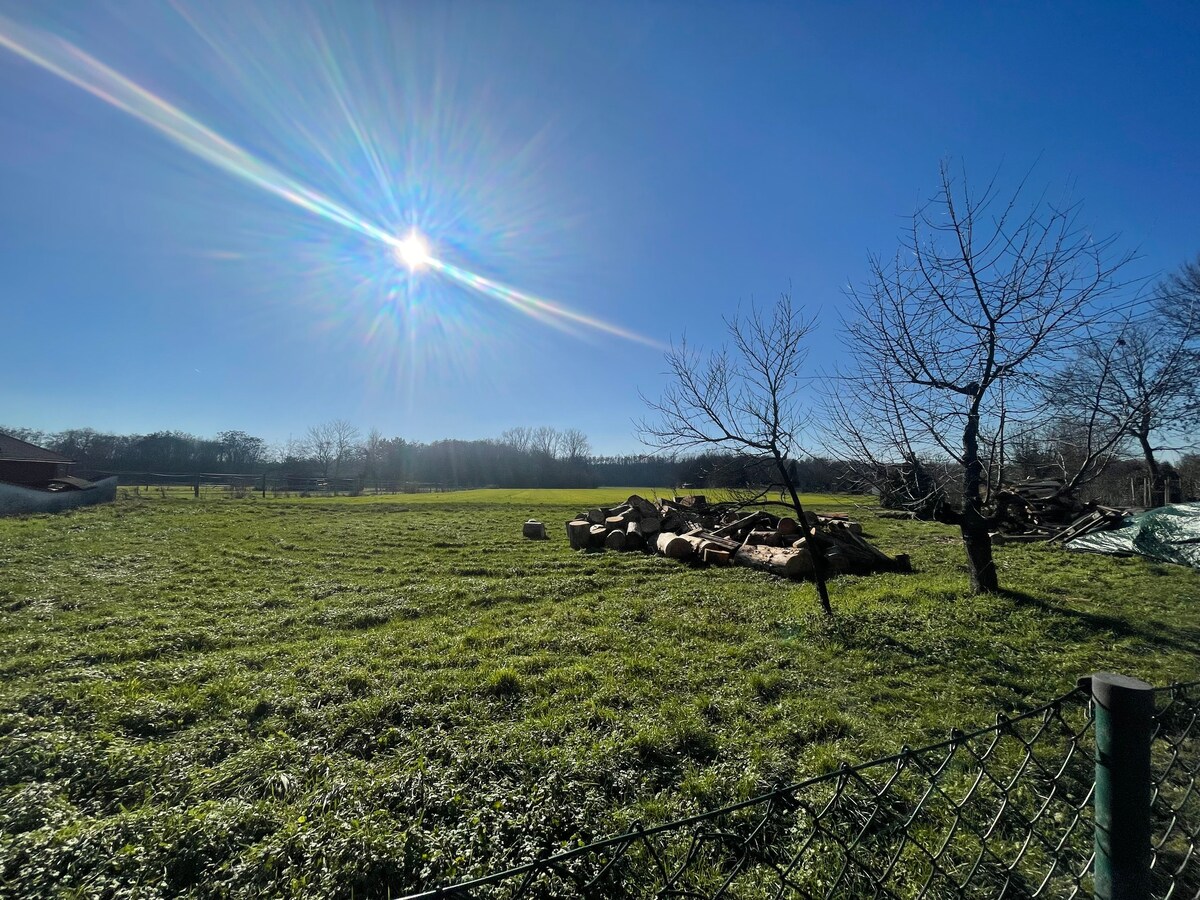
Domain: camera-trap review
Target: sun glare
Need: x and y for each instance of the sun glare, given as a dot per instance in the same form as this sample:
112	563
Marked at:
413	251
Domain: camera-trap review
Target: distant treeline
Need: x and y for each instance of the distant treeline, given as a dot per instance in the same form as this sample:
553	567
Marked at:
521	457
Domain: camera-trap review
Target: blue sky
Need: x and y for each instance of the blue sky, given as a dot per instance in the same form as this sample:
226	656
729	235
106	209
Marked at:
647	165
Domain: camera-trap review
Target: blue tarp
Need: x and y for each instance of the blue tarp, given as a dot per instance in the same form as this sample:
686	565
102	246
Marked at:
1167	534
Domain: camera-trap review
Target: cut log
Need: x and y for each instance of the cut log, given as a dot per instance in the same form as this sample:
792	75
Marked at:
534	530
788	563
788	526
597	516
644	507
651	524
614	540
674	546
673	520
596	535
850	537
715	556
634	539
722	542
831	524
578	533
764	538
616	522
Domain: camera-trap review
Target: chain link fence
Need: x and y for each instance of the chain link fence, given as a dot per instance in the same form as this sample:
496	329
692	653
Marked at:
1175	795
1005	811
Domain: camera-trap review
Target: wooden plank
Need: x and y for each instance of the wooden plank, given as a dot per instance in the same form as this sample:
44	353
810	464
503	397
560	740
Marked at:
735	526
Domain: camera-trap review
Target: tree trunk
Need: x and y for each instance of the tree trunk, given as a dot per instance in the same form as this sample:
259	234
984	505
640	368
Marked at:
974	524
818	558
980	566
1158	492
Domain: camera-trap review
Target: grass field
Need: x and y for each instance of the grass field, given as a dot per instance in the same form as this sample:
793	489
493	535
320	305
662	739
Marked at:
355	696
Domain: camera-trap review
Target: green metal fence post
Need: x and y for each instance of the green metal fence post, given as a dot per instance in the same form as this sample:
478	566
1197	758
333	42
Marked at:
1124	709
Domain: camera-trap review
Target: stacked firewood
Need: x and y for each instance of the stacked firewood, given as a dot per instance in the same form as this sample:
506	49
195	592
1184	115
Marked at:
1047	511
688	528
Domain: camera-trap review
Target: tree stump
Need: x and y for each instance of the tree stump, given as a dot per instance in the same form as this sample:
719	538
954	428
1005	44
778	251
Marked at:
579	533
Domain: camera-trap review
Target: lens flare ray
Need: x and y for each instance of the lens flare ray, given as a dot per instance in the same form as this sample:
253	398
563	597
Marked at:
536	307
75	66
62	58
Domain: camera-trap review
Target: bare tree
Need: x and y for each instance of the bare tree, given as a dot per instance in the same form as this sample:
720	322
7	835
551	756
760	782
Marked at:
1178	296
331	444
748	397
318	444
518	438
574	445
1141	380
544	441
290	451
1189	475
1077	447
373	450
953	336
345	438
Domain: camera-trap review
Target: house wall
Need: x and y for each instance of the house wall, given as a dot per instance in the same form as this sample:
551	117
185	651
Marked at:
29	472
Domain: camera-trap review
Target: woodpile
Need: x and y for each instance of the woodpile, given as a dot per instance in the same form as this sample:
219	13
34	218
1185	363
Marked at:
1045	511
688	528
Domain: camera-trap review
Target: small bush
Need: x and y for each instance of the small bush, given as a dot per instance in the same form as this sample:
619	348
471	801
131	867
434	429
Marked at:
504	683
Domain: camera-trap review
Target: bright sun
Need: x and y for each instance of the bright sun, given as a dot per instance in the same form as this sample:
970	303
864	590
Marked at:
413	251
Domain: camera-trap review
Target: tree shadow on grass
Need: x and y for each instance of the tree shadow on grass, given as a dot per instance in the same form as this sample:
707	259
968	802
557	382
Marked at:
1184	638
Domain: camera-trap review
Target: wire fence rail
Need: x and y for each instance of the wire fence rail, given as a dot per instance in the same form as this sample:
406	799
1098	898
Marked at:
1013	810
276	483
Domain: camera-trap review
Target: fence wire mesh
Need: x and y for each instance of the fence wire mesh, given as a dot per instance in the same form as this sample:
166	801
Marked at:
1175	803
999	812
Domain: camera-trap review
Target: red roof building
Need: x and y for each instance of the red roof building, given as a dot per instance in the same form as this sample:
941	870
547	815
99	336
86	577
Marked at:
24	463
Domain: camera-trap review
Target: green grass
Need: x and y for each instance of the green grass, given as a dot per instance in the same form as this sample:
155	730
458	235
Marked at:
349	697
